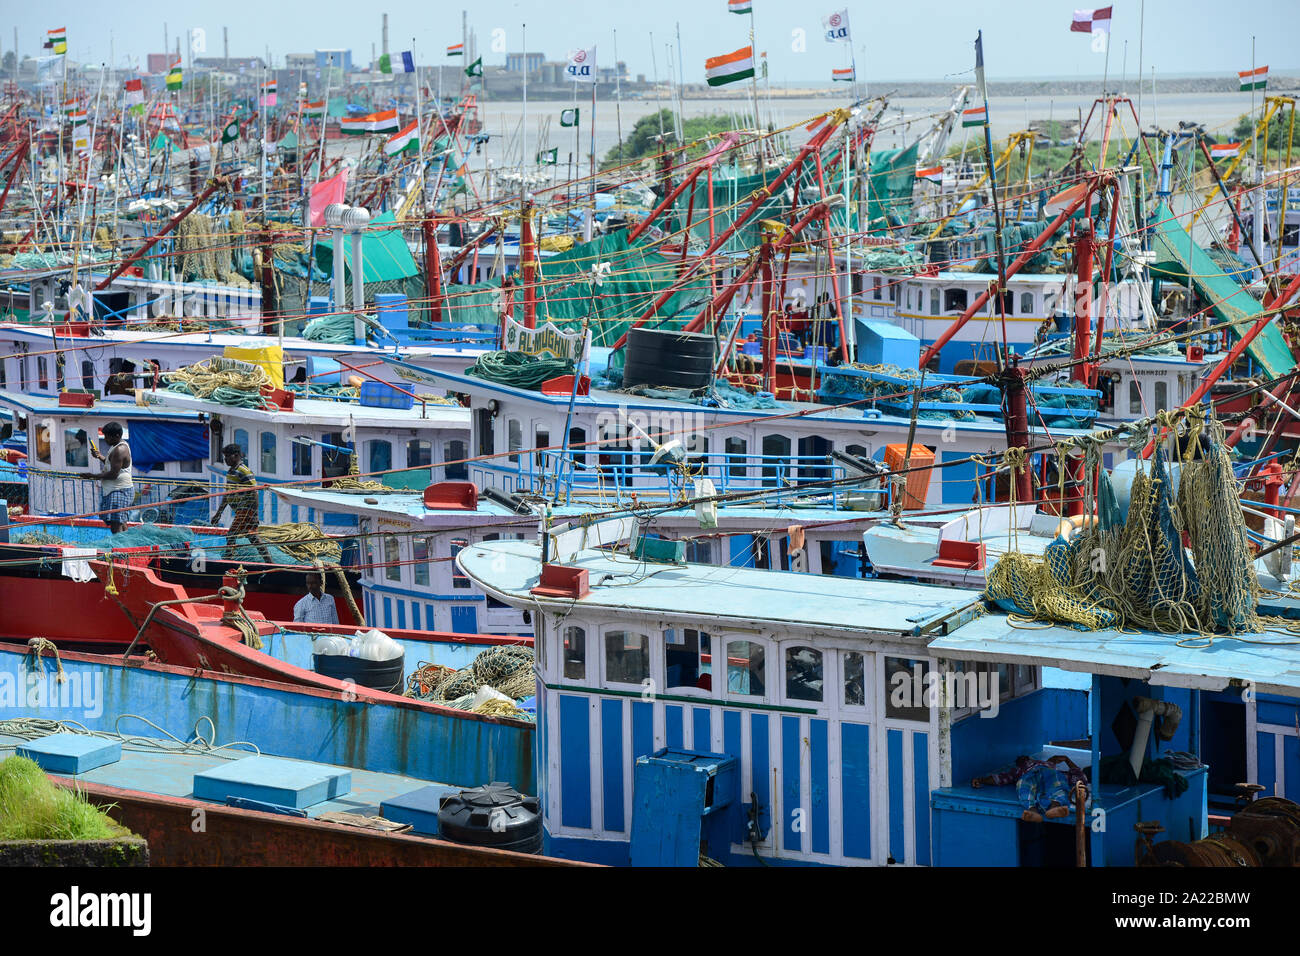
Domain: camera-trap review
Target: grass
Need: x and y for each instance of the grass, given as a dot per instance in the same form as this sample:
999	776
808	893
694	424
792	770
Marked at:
33	808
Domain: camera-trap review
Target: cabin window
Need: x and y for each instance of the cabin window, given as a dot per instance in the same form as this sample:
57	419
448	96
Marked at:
420	560
4	376
458	577
1134	397
44	435
42	372
76	451
1026	303
697	450
514	438
381	456
268	453
954	300
814	458
855	685
1162	394
857	451
483	428
905	689
736	449
686	664
803	674
241	439
627	657
699	551
892	291
746	661
301	459
419	453
575	653
876	288
87	375
392	558
190	466
578	447
337	459
934	302
542	440
776	458
454	451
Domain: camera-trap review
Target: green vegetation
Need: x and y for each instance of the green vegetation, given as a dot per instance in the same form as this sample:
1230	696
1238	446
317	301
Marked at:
33	808
1278	127
640	143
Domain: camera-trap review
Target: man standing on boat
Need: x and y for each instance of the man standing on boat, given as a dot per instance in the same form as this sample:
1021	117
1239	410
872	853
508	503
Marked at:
116	489
315	607
242	504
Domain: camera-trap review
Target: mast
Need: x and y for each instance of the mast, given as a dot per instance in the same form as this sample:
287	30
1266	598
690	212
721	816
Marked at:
618	100
753	82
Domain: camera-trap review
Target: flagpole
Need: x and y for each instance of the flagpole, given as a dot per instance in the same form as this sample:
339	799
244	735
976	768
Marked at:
591	124
324	118
523	152
993	183
117	170
1142	22
618	100
1254	140
753	85
261	147
419	131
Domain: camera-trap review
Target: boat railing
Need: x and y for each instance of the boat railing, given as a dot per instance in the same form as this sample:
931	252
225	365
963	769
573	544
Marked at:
617	474
155	498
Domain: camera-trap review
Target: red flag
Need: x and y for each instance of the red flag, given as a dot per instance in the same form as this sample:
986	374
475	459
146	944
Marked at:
325	192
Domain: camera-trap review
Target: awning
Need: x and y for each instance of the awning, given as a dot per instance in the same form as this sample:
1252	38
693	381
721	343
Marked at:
384	254
1271	662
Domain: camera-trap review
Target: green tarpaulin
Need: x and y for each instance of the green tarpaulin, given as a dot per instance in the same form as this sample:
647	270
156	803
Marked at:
384	254
162	142
892	173
732	194
635	277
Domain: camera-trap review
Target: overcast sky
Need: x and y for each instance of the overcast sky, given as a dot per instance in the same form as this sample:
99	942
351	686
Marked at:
896	40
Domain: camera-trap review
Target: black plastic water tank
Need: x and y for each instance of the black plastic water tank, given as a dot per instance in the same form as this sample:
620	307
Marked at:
496	816
377	675
668	359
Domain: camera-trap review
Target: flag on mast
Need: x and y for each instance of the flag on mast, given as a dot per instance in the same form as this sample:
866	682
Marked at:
408	61
581	67
844	75
385	121
57	40
385	63
740	6
456	49
230	132
1224	151
1256	79
268	93
407	138
314	110
135	95
569	117
974	117
730	67
837	26
174	77
1091	21
475	68
979	70
548	157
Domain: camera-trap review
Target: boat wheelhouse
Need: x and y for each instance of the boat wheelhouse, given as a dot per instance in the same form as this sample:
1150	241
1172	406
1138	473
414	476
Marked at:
766	717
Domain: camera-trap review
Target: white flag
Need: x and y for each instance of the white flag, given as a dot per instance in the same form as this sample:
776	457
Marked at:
582	66
837	26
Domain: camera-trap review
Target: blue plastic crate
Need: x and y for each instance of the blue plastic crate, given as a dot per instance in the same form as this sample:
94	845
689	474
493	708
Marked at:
382	395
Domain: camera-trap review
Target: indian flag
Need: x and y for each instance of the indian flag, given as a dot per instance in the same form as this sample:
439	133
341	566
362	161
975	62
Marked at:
174	77
977	116
456	49
1057	204
740	6
314	110
816	123
385	121
406	138
933	173
730	67
57	40
76	117
134	93
845	75
268	93
1254	79
1224	151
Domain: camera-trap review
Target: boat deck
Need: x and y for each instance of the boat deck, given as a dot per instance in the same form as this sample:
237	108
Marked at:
172	774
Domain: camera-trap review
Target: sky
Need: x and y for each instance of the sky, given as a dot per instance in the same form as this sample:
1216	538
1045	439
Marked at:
895	40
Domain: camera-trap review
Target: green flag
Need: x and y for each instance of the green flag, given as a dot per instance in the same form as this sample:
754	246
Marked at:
548	157
231	132
475	68
569	117
174	77
385	64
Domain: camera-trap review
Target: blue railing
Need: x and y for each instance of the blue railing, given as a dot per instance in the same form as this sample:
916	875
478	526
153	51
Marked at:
618	473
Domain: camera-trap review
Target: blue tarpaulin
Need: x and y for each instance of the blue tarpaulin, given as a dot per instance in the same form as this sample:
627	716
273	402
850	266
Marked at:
153	443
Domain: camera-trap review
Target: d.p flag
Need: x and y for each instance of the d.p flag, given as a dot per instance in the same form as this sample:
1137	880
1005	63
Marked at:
581	67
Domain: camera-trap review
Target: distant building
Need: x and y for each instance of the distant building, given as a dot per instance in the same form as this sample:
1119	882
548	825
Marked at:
300	61
160	62
338	58
524	62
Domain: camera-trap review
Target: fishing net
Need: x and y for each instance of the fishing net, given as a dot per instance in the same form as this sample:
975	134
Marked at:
507	669
1135	572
